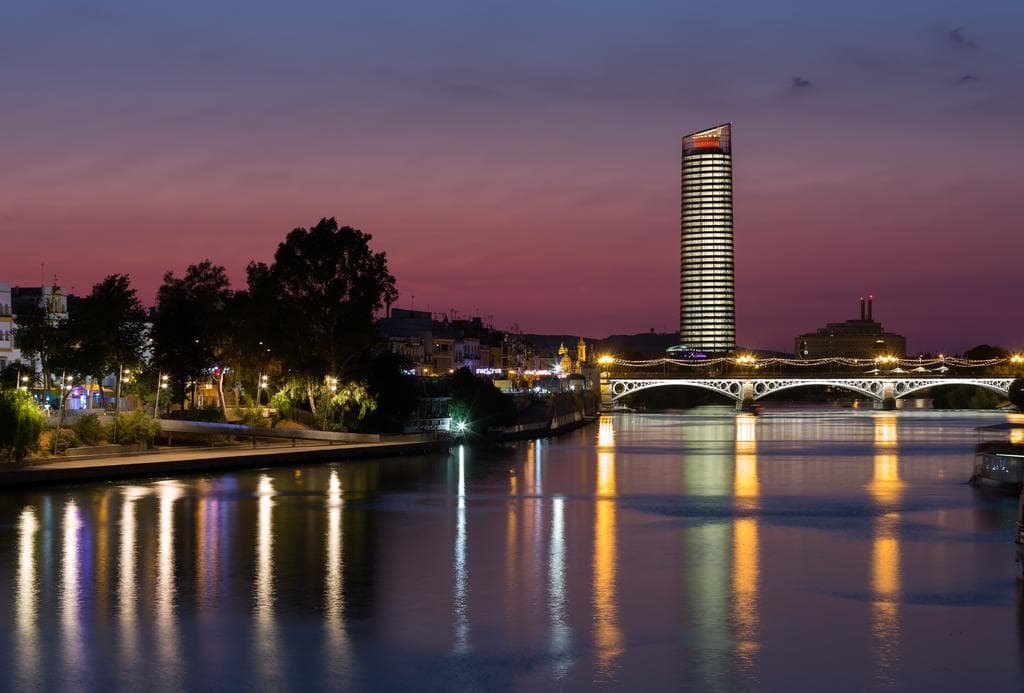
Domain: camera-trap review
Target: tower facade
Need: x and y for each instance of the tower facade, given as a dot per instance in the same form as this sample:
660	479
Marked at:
707	303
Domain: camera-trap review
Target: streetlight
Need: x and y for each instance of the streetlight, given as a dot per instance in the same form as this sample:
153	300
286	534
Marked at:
262	388
162	384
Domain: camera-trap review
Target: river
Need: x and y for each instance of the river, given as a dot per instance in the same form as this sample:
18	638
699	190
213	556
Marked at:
710	550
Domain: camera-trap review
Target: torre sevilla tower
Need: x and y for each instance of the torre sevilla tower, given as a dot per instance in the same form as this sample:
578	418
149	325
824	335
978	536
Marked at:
707	304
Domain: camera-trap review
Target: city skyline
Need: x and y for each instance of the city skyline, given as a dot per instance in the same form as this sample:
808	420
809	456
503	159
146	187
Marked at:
479	166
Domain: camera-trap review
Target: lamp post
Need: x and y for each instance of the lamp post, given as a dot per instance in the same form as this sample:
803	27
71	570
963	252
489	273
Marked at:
259	391
65	390
162	384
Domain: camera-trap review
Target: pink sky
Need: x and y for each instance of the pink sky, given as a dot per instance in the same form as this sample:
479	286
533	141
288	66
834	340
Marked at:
526	166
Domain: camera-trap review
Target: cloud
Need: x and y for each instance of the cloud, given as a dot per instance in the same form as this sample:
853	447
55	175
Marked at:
957	37
801	83
968	78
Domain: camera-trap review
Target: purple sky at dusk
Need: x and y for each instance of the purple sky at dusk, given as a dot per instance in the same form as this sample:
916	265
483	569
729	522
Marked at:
521	160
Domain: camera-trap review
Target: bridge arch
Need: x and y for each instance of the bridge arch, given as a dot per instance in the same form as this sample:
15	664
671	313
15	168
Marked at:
872	389
733	389
999	386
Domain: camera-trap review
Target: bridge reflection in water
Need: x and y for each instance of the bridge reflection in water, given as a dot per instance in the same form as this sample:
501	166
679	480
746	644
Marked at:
607	634
886	489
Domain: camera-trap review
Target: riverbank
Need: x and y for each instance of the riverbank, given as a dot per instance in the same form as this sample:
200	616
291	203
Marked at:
185	461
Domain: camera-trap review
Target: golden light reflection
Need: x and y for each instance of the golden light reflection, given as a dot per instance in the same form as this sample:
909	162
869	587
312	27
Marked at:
1016	434
166	594
607	635
511	546
334	596
266	628
746	567
69	593
746	483
26	597
886	435
886	488
606	432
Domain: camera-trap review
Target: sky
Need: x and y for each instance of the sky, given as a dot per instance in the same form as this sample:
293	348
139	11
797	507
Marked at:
521	159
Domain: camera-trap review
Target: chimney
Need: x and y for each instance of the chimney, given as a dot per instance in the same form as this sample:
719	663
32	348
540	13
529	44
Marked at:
871	299
862	308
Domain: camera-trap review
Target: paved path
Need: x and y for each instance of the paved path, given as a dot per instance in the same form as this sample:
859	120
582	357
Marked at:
191	461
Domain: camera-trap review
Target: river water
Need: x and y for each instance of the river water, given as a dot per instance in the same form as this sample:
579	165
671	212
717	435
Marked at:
708	550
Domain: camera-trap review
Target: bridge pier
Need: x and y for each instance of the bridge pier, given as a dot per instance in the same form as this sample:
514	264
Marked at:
746	398
888	399
607	396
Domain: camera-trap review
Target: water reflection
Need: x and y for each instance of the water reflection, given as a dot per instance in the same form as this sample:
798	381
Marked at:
461	616
334	597
886	488
689	551
1016	434
745	545
561	634
127	592
70	597
266	629
708	477
26	627
607	635
166	596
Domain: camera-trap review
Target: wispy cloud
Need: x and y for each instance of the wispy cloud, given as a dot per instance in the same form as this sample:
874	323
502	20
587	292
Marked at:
956	37
801	83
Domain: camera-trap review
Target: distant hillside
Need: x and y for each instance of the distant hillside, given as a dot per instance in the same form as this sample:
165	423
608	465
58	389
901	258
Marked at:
644	345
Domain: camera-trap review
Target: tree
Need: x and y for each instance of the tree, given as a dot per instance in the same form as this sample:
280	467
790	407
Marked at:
10	374
21	422
397	394
476	402
192	326
320	295
1016	394
39	335
110	327
984	352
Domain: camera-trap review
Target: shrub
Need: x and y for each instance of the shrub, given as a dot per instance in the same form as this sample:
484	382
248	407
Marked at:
90	430
253	417
136	427
62	439
207	414
21	423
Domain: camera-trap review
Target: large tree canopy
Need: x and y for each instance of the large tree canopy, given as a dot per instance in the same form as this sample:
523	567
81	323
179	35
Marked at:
321	293
192	323
109	326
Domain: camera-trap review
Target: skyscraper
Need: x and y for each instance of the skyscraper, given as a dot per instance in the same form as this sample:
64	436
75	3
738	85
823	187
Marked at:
707	306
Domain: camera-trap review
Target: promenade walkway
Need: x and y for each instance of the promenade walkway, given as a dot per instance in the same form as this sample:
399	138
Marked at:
168	462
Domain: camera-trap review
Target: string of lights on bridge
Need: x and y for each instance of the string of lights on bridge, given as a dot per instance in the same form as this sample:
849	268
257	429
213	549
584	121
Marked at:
753	361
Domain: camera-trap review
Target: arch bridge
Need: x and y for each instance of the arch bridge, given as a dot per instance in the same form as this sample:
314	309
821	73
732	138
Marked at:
745	391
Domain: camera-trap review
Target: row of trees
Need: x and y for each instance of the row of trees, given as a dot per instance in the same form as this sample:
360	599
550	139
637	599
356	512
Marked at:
302	327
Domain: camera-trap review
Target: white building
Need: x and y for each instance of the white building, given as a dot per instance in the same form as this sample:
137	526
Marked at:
8	354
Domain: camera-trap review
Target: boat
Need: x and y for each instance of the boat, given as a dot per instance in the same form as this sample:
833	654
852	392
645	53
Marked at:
999	460
999	466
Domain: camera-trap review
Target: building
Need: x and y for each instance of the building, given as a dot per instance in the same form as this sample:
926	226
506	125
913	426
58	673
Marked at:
8	354
439	346
54	299
860	339
707	306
